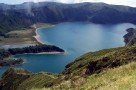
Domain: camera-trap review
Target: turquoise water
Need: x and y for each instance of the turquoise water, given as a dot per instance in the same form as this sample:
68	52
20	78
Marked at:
77	39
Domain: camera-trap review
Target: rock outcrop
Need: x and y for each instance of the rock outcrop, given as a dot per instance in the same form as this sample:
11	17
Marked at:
130	37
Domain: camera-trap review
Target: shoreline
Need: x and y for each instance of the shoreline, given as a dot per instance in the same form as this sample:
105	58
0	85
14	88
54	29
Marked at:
24	36
36	28
37	37
34	37
46	53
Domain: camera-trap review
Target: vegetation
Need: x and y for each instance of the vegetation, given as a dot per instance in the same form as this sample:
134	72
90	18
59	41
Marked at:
113	69
5	59
130	37
11	62
16	75
5	55
21	36
14	17
110	68
35	49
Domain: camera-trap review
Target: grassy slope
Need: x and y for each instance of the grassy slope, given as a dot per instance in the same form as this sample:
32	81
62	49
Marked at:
39	80
19	37
23	36
111	68
122	78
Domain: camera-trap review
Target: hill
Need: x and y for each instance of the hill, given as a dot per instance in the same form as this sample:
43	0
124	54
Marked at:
26	14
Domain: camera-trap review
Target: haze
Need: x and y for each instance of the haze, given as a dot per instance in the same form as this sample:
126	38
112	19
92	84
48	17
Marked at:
116	2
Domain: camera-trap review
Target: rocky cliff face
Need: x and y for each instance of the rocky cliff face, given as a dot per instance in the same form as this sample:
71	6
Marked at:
130	37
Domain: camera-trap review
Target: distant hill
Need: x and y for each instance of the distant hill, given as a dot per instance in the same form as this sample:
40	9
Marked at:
26	14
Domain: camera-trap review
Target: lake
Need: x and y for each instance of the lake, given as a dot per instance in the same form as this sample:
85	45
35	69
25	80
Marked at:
76	39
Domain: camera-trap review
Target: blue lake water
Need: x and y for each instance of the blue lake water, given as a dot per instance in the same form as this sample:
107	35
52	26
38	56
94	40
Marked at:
77	39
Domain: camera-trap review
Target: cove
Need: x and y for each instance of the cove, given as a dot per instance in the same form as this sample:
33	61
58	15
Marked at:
76	38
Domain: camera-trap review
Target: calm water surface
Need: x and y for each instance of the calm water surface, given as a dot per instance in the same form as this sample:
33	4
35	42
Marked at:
76	39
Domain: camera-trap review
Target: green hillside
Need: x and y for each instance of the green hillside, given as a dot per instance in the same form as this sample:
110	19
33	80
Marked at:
110	68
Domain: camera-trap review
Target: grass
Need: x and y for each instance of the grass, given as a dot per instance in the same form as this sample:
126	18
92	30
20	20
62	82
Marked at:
20	37
23	36
97	61
122	78
38	80
113	69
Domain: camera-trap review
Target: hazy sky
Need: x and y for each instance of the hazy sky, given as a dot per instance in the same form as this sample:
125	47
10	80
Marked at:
118	2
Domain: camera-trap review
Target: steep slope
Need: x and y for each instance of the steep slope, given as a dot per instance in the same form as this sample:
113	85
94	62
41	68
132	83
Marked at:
130	37
12	78
26	14
96	70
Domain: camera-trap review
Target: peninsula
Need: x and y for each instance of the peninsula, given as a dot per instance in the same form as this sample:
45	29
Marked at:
29	38
23	36
5	55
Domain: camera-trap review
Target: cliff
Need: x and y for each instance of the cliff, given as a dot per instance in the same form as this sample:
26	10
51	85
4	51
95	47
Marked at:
130	37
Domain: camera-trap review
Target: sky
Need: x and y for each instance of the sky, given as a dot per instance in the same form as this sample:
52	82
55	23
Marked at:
116	2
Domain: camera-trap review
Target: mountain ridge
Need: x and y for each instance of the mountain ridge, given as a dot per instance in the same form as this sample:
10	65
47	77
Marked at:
26	14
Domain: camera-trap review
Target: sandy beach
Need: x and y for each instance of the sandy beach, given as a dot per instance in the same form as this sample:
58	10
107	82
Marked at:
26	36
37	27
46	53
37	37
